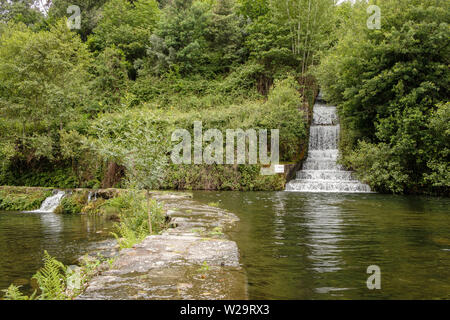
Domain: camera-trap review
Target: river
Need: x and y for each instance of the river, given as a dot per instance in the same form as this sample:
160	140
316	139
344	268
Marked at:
25	236
319	245
292	245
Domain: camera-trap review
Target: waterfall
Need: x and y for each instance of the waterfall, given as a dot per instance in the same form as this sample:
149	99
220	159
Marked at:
90	196
49	205
320	172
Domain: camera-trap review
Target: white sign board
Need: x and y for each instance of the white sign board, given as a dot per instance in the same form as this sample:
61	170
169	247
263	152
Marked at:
279	168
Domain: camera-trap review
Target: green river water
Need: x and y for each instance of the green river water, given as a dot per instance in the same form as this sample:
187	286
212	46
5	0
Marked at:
292	245
25	236
318	246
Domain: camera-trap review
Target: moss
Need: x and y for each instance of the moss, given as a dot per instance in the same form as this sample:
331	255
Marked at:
213	204
22	198
73	203
93	207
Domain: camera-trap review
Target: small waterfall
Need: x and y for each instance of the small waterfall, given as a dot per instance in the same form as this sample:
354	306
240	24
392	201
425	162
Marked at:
49	205
92	193
321	173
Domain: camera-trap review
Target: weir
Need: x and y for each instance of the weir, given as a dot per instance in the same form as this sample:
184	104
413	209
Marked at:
320	171
49	205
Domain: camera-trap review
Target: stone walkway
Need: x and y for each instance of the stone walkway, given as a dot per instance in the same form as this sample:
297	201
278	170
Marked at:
192	260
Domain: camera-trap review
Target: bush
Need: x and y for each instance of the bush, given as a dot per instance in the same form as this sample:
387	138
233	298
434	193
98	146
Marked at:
135	213
72	203
282	111
21	199
221	177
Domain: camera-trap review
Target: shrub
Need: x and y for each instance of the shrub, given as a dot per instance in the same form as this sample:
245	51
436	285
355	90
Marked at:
20	198
72	203
139	217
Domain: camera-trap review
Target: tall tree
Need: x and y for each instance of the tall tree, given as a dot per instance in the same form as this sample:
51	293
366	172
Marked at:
309	23
89	10
43	79
127	26
25	11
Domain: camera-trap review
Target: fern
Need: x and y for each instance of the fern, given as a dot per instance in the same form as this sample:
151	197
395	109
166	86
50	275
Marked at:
51	279
13	293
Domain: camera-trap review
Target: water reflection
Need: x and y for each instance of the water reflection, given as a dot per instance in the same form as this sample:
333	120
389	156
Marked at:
324	224
51	223
279	222
318	246
25	236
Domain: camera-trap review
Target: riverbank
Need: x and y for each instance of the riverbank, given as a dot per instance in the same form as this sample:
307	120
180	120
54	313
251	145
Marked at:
194	259
190	258
22	198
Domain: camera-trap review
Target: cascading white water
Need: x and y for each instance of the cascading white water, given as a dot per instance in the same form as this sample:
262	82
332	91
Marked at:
49	205
90	196
321	173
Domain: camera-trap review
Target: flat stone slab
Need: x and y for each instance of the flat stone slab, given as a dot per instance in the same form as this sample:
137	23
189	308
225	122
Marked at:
193	260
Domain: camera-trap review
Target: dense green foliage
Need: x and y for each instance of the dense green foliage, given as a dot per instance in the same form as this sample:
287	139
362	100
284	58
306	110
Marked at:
83	108
392	88
139	217
95	107
72	203
21	198
20	11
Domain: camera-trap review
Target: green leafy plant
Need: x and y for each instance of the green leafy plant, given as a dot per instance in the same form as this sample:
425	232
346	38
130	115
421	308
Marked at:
51	279
217	231
13	293
134	224
204	268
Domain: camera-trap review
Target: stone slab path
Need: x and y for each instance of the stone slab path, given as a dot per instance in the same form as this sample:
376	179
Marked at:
194	259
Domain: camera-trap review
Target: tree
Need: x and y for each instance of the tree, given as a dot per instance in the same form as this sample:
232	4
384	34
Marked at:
180	40
127	26
43	76
23	11
131	141
89	9
110	78
253	8
389	84
309	23
196	37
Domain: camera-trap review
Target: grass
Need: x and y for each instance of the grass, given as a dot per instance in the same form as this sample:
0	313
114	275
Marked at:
22	198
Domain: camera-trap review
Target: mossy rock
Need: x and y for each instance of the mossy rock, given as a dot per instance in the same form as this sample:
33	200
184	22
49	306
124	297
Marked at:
73	203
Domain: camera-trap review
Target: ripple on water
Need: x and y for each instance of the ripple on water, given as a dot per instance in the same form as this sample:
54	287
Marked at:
318	246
